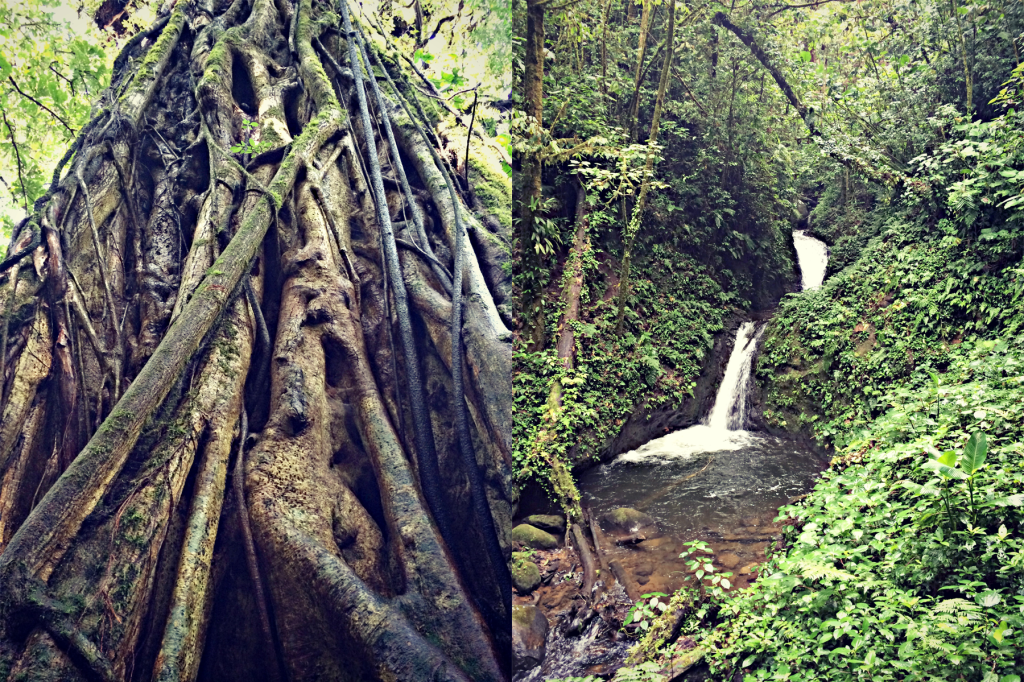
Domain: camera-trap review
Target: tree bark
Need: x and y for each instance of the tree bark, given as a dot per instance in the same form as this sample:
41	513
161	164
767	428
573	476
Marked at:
641	52
532	188
177	290
573	282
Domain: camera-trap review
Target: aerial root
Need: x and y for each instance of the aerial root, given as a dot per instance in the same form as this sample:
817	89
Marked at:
251	559
401	653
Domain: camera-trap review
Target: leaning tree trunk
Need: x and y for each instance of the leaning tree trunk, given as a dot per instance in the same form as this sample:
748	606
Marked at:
238	420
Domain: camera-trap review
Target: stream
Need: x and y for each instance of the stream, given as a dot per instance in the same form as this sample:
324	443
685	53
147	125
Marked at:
714	481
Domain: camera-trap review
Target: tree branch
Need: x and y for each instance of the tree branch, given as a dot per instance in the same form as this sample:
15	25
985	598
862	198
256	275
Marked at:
40	104
809	4
675	70
879	175
17	154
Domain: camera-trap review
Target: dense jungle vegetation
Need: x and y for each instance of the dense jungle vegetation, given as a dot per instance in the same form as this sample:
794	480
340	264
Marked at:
666	150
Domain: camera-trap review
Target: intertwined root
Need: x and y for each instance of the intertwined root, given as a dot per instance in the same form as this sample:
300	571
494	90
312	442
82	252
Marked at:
173	293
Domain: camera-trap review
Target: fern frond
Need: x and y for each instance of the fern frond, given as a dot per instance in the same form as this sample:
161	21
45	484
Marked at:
956	605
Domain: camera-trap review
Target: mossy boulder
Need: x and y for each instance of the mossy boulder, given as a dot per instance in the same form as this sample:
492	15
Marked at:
533	537
525	573
626	520
552	523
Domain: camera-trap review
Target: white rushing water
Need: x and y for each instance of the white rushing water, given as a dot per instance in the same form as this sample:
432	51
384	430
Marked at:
730	408
812	255
723	428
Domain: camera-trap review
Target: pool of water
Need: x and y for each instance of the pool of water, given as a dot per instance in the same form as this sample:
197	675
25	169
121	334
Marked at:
702	479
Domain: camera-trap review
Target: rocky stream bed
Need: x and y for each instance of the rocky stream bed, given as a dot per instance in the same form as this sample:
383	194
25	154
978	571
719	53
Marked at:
560	630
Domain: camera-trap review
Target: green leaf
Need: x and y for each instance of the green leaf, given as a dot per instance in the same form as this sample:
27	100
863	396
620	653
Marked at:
998	636
974	453
988	599
944	470
805	56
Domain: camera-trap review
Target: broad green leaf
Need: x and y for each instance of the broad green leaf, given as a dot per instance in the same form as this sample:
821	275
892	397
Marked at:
988	599
998	634
974	453
944	470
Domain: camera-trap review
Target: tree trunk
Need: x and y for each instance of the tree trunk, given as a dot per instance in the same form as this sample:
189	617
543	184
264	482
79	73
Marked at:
641	52
184	311
572	283
631	229
532	189
564	488
604	48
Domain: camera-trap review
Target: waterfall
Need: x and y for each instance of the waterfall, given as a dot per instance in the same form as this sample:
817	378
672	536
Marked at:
722	430
730	408
812	257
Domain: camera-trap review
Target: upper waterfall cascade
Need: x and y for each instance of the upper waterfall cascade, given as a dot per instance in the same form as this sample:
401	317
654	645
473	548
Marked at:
812	256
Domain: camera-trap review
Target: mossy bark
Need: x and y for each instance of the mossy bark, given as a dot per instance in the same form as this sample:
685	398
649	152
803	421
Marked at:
180	286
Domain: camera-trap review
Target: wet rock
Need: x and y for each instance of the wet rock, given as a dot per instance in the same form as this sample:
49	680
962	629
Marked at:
525	573
629	526
749	569
729	560
643	579
552	523
626	520
529	633
644	569
531	536
559	599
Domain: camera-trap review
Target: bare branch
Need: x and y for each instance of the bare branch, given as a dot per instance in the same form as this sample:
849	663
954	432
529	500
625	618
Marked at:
17	154
40	104
890	177
817	3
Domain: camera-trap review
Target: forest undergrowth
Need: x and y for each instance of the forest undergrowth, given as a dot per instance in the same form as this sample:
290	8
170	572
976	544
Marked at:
906	561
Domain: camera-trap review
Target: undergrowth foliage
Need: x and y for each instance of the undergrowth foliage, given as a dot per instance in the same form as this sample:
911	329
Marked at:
675	309
876	583
906	562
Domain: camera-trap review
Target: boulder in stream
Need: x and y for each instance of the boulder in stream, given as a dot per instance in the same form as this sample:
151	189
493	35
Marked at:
552	523
531	536
627	524
729	560
529	634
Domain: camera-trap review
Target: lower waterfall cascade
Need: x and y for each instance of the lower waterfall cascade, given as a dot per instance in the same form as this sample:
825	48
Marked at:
715	481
